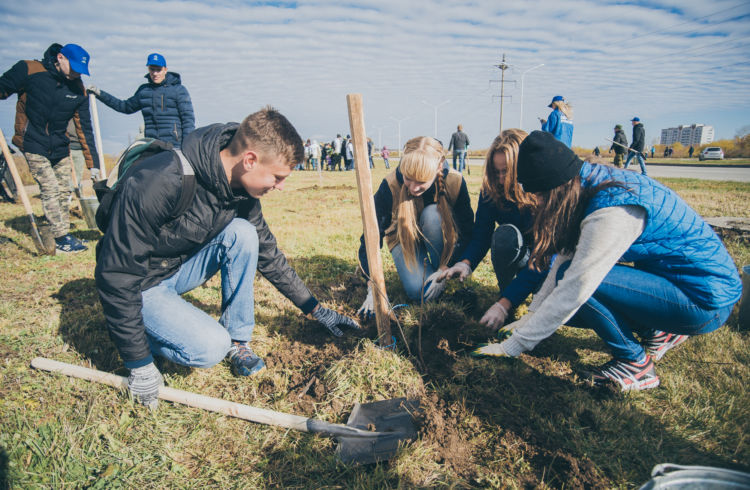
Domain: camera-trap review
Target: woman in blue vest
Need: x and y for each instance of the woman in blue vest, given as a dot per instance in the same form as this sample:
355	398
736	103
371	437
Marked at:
560	121
682	280
164	102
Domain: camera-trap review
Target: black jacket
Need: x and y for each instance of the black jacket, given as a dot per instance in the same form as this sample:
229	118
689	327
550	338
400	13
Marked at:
46	102
142	247
639	138
622	140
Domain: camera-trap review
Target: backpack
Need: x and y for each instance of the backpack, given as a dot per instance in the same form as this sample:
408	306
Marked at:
141	149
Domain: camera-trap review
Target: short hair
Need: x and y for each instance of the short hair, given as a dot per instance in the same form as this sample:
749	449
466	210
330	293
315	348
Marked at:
270	133
460	127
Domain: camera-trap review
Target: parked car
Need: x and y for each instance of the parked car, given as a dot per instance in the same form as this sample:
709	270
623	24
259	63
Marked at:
711	153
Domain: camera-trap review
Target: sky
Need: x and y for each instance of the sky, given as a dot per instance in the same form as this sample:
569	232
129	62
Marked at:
418	64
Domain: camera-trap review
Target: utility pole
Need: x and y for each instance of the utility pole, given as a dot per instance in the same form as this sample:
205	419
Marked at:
436	114
520	119
502	66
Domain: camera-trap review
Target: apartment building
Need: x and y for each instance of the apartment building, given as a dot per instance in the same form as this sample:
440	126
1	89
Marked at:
687	135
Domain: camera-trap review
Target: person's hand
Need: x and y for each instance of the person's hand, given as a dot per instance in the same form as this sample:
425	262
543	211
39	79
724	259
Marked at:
94	90
144	383
489	350
543	121
460	269
94	174
330	319
433	286
495	316
368	306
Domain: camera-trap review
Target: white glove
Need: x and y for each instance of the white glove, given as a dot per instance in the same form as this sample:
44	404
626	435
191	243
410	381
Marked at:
433	286
368	306
489	350
460	269
94	90
495	316
94	174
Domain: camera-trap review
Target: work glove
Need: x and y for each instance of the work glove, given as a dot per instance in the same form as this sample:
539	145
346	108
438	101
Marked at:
94	174
489	350
460	269
495	316
144	383
368	306
94	90
330	319
433	286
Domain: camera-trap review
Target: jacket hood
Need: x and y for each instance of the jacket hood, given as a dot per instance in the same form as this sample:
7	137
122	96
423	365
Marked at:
172	78
202	147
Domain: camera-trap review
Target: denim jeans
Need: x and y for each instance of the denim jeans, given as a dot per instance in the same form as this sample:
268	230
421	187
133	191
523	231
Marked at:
412	280
631	301
641	161
183	333
461	155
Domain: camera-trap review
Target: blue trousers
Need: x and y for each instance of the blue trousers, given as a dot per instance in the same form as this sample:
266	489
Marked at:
461	155
183	333
641	161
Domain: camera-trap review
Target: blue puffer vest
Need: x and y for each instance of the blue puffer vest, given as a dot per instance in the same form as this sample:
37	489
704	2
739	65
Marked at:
676	243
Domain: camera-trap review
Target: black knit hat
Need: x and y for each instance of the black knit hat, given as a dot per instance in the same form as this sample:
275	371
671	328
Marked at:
545	163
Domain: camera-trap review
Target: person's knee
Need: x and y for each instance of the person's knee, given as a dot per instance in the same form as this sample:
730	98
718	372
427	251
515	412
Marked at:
507	243
430	219
211	351
241	233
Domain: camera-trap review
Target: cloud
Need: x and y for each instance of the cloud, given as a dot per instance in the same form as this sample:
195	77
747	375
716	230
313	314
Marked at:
669	62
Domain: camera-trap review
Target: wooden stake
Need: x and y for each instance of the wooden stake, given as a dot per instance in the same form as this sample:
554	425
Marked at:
369	218
98	136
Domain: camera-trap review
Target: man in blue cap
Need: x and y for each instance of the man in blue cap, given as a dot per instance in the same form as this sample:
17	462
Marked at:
164	102
636	147
50	93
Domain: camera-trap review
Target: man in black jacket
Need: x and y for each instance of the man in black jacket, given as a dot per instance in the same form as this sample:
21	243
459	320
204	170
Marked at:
50	94
636	147
147	258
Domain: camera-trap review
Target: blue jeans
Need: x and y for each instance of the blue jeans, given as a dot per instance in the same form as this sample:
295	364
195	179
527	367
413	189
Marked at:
631	301
641	161
183	333
412	280
461	154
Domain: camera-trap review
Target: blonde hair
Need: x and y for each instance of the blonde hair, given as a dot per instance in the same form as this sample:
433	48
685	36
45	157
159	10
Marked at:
564	108
422	160
509	190
269	132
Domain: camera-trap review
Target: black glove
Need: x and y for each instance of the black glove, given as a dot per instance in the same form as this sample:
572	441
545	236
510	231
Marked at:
144	383
330	319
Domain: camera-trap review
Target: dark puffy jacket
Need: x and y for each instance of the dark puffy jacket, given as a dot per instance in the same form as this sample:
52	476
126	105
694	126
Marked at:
142	246
639	137
167	108
46	102
622	140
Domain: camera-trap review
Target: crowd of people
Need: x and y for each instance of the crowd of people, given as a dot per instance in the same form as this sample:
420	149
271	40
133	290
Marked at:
599	247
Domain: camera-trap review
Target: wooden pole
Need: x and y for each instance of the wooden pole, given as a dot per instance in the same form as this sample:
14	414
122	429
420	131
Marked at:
369	218
98	136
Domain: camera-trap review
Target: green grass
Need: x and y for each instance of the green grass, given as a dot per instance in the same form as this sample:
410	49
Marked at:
526	422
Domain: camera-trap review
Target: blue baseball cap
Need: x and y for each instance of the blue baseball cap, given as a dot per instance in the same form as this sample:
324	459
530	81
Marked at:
636	119
156	59
556	98
77	57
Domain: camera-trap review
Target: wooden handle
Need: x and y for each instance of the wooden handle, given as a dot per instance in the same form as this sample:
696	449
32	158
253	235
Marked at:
369	217
98	136
238	410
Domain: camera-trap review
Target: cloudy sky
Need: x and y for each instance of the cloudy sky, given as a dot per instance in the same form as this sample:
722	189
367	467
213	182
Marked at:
669	62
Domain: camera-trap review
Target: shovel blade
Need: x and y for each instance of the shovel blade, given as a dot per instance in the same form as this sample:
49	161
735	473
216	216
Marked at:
394	419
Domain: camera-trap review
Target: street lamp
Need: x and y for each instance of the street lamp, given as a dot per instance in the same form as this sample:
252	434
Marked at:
380	135
520	119
436	108
399	121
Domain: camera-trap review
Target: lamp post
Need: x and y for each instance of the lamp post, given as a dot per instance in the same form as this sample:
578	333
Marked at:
436	112
380	135
520	119
399	121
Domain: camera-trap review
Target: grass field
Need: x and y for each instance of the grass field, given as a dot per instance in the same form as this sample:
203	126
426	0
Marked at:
526	422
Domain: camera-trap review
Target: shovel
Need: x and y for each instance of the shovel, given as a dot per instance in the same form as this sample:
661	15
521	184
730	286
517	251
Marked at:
373	432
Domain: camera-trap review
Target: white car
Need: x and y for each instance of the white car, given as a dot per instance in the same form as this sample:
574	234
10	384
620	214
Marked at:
711	153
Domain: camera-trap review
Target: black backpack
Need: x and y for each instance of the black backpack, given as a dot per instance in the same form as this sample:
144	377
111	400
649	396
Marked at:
106	190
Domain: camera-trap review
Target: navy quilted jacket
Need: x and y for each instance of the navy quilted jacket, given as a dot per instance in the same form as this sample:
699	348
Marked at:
676	243
167	109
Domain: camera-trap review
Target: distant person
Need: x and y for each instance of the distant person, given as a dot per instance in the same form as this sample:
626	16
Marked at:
163	100
560	120
306	164
384	153
369	152
636	147
619	145
598	220
349	153
691	151
460	144
653	150
596	151
337	145
666	151
424	214
315	154
671	150
50	93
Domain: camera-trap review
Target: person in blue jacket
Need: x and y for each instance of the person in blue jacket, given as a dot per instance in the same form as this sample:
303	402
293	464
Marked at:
164	102
560	120
502	202
632	257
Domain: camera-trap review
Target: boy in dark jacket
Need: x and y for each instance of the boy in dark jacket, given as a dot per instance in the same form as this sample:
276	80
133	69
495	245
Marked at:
147	260
636	147
50	94
164	101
